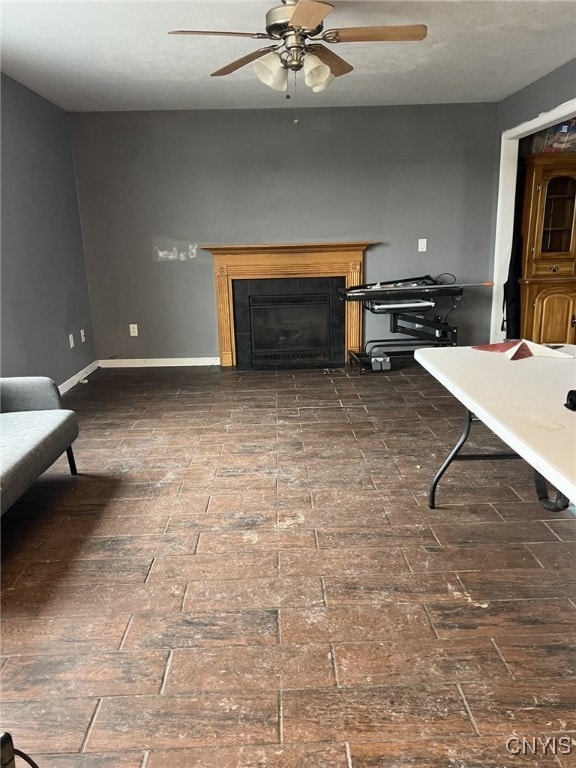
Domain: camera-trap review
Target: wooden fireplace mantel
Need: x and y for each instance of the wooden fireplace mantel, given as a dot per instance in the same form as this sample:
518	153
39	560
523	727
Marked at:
254	262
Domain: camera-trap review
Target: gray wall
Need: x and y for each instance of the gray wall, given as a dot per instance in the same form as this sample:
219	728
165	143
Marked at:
44	289
550	91
391	174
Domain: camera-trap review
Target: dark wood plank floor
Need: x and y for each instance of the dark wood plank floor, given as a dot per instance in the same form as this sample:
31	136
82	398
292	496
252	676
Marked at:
245	574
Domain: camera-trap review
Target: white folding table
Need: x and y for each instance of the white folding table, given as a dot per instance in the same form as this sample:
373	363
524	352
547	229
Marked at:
521	401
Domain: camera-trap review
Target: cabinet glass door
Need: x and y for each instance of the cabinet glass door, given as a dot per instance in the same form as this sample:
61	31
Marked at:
558	221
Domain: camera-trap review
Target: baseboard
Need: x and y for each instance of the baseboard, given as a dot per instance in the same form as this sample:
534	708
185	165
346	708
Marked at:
78	377
158	362
155	362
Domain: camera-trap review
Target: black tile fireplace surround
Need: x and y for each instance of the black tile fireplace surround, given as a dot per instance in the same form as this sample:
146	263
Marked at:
289	322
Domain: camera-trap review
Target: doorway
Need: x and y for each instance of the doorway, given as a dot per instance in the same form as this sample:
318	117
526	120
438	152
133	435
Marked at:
509	151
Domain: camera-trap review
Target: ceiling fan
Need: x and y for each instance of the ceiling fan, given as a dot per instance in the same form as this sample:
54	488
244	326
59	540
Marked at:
298	28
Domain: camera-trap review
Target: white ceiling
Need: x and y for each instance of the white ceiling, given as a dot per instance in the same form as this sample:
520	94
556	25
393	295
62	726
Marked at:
86	55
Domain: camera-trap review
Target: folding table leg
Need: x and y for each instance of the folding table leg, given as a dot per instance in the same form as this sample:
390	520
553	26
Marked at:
453	456
449	460
559	503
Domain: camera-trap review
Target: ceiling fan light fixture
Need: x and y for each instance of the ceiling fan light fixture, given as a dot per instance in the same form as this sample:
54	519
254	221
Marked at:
324	85
271	71
317	75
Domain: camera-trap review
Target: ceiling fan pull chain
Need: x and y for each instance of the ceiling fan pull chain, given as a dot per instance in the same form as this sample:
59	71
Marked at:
296	120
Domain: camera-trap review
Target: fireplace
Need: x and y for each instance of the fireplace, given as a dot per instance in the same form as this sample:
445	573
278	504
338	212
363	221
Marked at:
289	323
254	262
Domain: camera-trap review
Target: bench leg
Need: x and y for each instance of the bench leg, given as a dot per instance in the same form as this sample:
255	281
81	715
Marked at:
71	461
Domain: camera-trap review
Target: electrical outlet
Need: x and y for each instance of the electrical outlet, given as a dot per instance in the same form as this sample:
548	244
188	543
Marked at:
82	335
133	329
422	245
71	340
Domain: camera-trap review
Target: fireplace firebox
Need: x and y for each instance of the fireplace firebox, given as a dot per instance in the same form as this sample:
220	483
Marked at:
289	323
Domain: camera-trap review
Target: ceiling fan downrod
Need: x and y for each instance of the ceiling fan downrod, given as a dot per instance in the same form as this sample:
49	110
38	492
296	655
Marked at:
294	46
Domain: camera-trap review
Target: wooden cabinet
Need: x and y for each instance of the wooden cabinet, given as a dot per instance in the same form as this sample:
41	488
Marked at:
548	283
553	310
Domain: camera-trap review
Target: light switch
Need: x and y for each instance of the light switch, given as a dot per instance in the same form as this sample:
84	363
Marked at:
422	245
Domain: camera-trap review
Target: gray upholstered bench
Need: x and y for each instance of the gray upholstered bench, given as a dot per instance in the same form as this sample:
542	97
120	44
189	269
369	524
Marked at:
34	431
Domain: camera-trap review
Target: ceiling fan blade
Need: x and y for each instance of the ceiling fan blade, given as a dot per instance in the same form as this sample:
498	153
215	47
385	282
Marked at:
254	35
337	65
368	34
234	65
308	14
